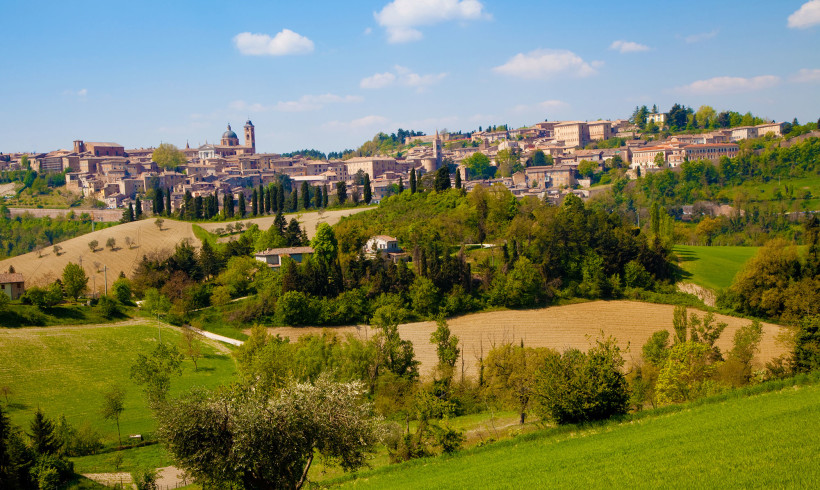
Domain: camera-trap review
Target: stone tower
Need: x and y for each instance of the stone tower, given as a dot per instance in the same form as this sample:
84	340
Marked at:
250	136
437	150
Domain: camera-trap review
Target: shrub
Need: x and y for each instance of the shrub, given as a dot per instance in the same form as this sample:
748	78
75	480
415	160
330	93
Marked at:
583	387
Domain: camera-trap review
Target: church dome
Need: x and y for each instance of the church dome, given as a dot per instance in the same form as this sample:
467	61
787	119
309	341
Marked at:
229	134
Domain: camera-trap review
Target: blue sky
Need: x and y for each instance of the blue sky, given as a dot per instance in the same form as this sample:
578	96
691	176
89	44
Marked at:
330	74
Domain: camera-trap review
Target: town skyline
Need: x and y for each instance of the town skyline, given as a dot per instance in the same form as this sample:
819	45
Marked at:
332	80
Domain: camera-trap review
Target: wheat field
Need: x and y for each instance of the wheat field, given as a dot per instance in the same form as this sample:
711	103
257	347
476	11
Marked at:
557	327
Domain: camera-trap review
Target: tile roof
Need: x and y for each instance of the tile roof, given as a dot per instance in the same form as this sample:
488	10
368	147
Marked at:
7	277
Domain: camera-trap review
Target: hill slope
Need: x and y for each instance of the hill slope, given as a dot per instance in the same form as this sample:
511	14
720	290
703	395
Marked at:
713	267
146	238
763	441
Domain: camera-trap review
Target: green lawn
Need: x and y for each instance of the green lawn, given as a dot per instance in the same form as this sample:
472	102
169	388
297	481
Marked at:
712	267
65	370
762	441
757	192
20	315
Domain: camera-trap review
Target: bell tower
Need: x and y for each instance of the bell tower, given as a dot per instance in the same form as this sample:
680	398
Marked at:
250	136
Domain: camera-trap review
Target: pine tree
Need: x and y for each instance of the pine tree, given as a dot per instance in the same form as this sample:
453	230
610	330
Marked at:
413	181
279	222
442	180
43	438
368	191
127	214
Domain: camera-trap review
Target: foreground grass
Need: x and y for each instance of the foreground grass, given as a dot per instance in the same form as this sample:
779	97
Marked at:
20	315
762	441
153	456
713	267
66	370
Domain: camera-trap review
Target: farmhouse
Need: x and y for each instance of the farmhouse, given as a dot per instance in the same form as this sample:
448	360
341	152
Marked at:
12	284
273	256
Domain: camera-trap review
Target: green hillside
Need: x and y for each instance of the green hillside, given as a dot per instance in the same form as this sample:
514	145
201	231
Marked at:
763	441
712	267
65	370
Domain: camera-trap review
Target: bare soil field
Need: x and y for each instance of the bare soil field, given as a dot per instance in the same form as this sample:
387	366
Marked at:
146	239
108	215
557	327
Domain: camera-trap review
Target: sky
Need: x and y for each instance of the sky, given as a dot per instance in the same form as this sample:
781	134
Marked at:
330	75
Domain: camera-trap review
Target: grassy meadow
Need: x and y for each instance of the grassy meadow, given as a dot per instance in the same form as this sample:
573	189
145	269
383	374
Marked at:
712	267
65	370
766	440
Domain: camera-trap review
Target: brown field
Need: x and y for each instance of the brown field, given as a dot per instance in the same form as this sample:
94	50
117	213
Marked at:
309	221
146	239
557	327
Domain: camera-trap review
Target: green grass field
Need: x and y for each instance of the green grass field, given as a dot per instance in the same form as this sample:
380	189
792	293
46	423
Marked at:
759	192
761	441
65	370
712	267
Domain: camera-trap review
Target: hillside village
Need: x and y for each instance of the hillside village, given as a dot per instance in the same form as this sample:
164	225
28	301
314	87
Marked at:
114	175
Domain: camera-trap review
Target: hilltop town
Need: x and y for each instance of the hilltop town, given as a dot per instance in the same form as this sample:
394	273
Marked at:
541	160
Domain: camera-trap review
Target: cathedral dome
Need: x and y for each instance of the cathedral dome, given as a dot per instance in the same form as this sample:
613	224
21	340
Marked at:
229	134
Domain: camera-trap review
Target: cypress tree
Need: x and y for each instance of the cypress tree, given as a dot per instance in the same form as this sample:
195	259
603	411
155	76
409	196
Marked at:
241	205
280	198
254	203
413	181
458	179
305	195
341	192
127	215
317	197
368	191
159	201
261	199
401	185
138	209
198	207
168	202
324	196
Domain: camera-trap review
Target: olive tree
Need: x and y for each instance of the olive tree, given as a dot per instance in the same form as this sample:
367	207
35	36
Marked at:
240	437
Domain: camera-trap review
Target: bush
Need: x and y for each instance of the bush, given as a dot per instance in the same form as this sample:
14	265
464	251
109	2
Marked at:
108	307
583	387
296	308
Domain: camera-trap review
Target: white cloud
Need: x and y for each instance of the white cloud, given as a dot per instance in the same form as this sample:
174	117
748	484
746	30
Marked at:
368	31
401	17
82	92
378	80
283	43
547	63
302	104
78	93
628	47
806	16
701	36
806	75
403	76
720	85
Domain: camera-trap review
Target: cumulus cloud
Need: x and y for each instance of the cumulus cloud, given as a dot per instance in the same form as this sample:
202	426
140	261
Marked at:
700	36
547	63
806	75
806	16
401	75
628	47
378	80
283	43
720	85
401	18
